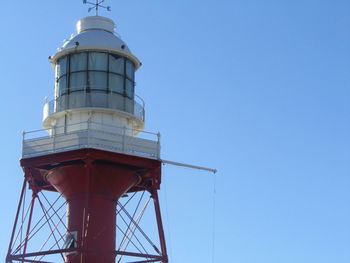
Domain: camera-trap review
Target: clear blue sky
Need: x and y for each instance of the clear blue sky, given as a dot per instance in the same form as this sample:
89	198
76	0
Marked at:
257	89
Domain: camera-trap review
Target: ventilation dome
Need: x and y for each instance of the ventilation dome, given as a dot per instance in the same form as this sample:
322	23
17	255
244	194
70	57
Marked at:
95	22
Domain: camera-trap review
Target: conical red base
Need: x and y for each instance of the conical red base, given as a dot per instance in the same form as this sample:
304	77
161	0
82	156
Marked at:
91	191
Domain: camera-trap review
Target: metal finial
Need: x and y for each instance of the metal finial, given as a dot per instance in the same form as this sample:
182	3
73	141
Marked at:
97	5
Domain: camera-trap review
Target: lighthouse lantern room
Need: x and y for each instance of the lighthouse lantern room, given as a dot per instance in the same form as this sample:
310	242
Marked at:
94	80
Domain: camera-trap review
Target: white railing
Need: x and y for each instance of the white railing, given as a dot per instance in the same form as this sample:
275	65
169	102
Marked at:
86	98
91	135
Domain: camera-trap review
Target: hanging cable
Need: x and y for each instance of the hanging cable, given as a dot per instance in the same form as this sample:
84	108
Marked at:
214	218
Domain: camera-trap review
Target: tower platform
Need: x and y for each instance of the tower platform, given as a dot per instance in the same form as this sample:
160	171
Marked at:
90	135
38	168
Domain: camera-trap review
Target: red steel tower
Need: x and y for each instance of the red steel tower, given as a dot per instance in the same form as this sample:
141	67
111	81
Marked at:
95	159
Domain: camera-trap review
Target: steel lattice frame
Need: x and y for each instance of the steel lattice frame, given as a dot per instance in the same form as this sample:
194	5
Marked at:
39	230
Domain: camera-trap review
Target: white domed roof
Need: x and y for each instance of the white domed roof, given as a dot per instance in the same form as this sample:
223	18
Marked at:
95	33
96	38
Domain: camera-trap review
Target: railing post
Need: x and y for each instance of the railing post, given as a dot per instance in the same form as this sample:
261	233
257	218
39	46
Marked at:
158	145
124	132
85	98
23	139
54	138
88	131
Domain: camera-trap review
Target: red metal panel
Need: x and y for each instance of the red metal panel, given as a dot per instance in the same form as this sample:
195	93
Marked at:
148	169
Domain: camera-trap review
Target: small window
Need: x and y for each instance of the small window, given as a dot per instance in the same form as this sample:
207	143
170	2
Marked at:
116	64
71	242
98	61
130	70
78	62
116	83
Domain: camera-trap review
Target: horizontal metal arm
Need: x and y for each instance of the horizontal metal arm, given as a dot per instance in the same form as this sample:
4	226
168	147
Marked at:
190	166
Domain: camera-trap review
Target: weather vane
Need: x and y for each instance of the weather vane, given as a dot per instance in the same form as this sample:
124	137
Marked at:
97	5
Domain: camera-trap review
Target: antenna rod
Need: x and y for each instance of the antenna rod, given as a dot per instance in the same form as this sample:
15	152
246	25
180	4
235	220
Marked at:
190	166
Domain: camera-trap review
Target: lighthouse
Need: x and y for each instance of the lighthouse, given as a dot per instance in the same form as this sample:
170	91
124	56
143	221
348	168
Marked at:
91	153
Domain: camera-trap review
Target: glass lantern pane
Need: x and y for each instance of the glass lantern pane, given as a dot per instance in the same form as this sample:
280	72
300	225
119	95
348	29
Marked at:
116	64
130	69
78	62
62	86
129	89
77	81
61	67
98	61
116	83
98	81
